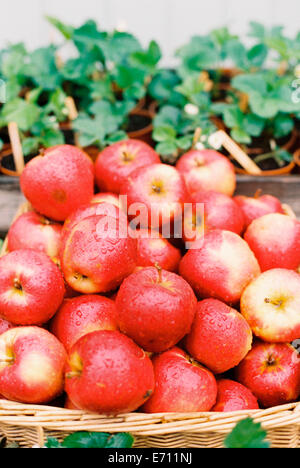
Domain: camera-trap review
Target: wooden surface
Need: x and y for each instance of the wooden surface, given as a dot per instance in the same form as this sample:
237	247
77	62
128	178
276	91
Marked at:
10	199
287	189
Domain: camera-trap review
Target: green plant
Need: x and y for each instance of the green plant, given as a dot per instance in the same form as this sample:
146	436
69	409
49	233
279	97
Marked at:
174	130
93	440
287	49
103	124
247	434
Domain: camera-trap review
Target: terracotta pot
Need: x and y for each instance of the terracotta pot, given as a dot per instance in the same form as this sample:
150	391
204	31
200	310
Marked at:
7	151
297	156
274	172
287	146
144	134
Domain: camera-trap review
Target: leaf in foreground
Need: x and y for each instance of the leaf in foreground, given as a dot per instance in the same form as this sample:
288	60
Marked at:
247	434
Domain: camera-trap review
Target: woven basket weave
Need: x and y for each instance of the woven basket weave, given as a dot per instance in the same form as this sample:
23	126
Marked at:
32	424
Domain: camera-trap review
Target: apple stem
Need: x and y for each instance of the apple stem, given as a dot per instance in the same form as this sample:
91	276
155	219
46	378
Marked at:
257	193
159	270
277	303
17	284
72	374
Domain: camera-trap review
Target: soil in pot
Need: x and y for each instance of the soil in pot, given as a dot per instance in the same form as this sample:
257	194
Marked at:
140	126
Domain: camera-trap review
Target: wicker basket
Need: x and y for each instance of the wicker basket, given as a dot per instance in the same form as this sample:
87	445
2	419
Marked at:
31	424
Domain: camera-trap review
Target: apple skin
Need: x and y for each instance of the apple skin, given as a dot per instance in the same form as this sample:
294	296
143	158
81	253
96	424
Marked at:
69	404
86	211
271	305
233	396
272	373
81	315
152	251
107	197
219	212
54	184
181	385
275	241
207	170
108	373
31	287
220	337
36	371
5	325
256	207
117	162
33	231
96	258
220	266
160	189
155	308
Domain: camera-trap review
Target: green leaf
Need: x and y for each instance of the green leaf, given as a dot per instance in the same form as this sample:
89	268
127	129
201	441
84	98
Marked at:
166	148
168	115
163	133
253	124
66	30
120	440
185	142
52	137
264	107
1	144
52	443
247	83
86	440
120	135
257	55
240	135
25	114
30	145
233	116
247	434
283	125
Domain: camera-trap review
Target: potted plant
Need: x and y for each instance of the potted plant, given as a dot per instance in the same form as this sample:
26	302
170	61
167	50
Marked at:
260	115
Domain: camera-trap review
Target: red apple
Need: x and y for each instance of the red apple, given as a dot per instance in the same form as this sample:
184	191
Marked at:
271	305
220	266
31	287
233	396
58	182
97	256
218	212
181	385
207	170
155	194
220	337
32	365
117	162
155	308
33	231
85	211
5	325
108	373
156	250
272	373
107	197
257	206
69	404
81	315
275	241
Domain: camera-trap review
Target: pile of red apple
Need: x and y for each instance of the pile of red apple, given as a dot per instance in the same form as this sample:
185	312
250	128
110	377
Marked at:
127	322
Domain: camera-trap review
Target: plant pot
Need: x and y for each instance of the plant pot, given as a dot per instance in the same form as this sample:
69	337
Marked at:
145	132
287	146
297	157
6	153
274	172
